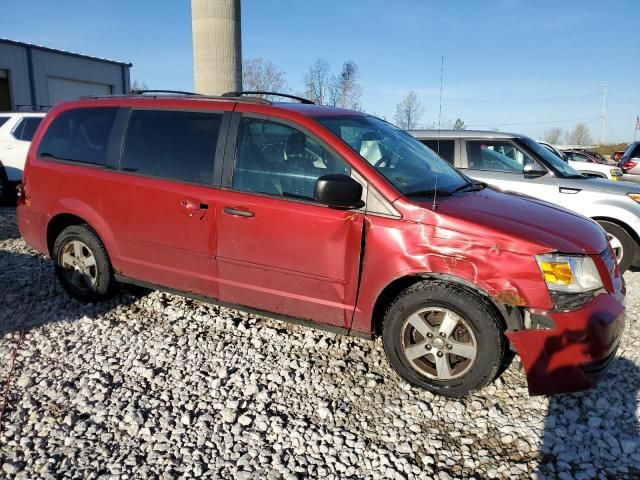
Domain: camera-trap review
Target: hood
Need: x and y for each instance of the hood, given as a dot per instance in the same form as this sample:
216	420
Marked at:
518	221
600	185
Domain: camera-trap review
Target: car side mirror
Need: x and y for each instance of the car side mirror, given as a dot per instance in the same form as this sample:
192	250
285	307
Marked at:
533	169
339	191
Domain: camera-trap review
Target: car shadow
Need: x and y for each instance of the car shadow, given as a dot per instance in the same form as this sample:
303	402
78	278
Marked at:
31	297
595	433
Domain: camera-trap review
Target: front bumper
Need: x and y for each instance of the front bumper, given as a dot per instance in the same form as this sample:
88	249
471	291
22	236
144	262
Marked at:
577	352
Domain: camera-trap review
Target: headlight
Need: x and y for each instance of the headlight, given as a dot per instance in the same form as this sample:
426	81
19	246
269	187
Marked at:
634	196
615	172
569	273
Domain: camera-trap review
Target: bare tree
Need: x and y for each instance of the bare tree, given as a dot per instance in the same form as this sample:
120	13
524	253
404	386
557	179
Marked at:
344	90
459	124
409	111
138	85
552	135
317	82
260	75
580	135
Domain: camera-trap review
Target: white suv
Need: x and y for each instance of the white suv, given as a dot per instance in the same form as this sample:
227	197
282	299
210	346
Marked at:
16	132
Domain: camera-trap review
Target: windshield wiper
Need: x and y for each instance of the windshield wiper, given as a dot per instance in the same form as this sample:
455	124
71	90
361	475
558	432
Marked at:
425	193
466	186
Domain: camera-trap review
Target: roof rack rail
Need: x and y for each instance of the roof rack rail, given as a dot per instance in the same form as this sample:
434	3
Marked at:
179	94
169	92
275	94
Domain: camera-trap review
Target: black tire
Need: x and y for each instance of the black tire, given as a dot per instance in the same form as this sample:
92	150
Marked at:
103	273
480	317
629	245
4	186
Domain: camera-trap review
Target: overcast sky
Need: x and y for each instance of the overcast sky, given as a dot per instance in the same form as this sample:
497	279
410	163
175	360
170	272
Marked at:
517	65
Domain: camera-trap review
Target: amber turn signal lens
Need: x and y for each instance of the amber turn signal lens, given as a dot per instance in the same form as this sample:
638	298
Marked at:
559	273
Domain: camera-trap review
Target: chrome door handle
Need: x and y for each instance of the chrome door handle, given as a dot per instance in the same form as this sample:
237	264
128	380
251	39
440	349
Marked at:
238	213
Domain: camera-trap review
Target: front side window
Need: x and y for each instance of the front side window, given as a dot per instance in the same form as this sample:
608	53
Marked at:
80	135
26	128
175	145
444	148
411	167
276	159
496	156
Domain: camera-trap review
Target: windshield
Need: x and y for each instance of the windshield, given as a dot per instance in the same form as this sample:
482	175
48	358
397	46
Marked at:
411	167
559	166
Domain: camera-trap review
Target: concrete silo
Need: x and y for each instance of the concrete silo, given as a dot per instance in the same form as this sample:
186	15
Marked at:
217	50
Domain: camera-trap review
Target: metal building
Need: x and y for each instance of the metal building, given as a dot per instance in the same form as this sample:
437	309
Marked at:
33	77
217	49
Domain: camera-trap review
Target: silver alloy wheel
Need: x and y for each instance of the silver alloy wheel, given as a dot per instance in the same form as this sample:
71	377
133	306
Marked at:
79	265
439	343
616	245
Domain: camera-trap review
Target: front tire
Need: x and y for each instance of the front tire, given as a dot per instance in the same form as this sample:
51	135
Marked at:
623	245
82	264
443	338
4	186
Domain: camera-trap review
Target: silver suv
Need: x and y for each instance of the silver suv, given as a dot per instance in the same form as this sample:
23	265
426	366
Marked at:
517	163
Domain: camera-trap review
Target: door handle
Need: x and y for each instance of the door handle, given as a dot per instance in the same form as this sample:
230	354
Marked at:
238	213
194	207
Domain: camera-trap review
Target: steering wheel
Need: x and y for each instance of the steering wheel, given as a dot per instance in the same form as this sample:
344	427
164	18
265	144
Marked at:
384	159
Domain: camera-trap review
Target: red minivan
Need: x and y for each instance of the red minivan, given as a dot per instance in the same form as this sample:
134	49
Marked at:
324	216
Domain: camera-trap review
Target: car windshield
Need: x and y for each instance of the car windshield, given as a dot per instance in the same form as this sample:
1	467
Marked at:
559	167
411	167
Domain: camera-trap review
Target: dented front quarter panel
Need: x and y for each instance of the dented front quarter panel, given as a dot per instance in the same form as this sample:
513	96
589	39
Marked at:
500	265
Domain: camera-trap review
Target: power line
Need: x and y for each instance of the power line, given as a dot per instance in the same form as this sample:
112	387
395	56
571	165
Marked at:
587	119
523	100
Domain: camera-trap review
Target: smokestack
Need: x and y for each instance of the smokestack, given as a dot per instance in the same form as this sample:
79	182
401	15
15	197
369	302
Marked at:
217	50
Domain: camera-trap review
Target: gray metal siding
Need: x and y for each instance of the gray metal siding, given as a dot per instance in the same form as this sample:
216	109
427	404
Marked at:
49	64
46	64
14	59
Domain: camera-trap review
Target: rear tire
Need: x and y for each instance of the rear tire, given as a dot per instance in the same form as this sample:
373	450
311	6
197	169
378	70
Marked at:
426	327
623	244
82	264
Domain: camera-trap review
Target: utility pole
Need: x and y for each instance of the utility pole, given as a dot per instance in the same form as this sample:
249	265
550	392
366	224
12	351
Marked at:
603	116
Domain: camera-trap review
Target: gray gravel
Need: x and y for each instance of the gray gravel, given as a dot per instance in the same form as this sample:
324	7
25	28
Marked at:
151	385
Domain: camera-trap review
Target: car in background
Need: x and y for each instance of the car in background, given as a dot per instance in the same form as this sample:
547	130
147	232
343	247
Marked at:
16	131
590	166
597	156
630	160
585	165
517	163
328	217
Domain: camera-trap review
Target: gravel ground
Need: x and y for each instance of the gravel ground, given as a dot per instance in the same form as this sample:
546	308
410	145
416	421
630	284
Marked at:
151	385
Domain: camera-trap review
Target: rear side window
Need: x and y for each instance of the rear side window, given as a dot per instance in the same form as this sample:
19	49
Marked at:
26	128
3	120
172	144
445	149
80	135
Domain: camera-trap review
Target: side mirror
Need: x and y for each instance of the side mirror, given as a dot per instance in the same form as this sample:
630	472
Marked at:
533	169
339	191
